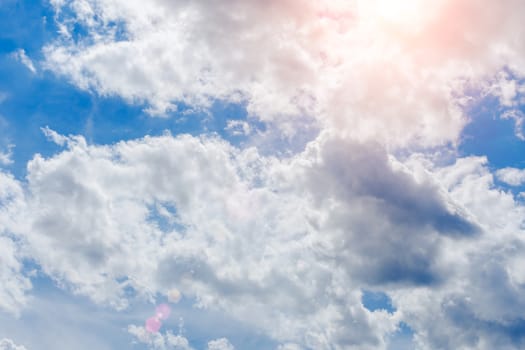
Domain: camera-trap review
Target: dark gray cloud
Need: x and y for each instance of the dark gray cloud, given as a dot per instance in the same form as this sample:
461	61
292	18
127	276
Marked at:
384	225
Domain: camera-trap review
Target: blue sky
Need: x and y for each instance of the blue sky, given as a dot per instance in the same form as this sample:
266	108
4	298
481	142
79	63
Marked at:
279	212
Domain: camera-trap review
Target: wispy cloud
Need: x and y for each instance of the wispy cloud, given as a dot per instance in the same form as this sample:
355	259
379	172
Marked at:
21	56
6	156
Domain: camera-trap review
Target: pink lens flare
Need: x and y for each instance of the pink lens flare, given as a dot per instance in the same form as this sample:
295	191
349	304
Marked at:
153	324
174	296
163	311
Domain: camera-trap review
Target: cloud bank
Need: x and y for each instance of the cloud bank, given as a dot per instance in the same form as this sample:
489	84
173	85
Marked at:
293	240
398	71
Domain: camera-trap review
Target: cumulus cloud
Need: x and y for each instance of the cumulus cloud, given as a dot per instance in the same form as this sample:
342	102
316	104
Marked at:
367	67
14	284
220	344
294	240
480	307
169	341
8	344
158	341
100	234
511	176
509	89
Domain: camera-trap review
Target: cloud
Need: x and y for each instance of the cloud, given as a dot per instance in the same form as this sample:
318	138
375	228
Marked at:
158	341
169	341
55	137
238	127
294	240
7	344
358	66
5	157
14	284
511	176
220	344
289	346
21	56
518	118
508	89
480	306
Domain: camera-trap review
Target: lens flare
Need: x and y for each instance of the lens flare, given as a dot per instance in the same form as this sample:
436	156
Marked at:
174	296
163	311
153	324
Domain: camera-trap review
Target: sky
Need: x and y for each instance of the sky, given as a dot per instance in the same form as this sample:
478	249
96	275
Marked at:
288	175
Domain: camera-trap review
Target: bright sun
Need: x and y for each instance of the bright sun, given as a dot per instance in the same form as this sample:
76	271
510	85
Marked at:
399	12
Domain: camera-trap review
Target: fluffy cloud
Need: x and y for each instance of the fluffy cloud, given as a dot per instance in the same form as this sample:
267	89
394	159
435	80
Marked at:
369	185
480	305
397	71
7	344
220	344
100	233
158	341
511	176
293	240
509	90
14	285
169	341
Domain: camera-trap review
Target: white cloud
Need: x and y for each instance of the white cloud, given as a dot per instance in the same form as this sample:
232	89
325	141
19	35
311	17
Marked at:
220	344
8	344
480	305
358	66
21	56
511	176
509	90
14	284
158	341
55	137
518	118
289	346
292	240
105	232
5	157
238	127
169	341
